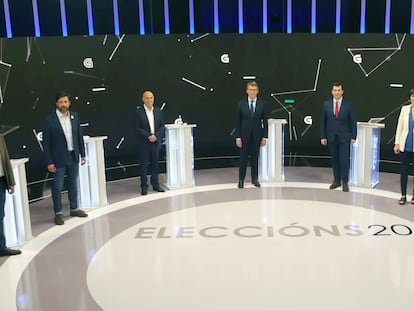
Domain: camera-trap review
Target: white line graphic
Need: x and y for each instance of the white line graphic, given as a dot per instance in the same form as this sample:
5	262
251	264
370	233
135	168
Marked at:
120	142
98	89
200	37
193	83
292	129
394	50
117	46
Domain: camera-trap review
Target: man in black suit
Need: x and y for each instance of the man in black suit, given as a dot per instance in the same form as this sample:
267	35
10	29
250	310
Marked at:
251	132
338	130
150	131
62	145
7	183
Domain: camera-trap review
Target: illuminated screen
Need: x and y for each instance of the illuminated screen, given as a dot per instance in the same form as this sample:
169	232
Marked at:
201	78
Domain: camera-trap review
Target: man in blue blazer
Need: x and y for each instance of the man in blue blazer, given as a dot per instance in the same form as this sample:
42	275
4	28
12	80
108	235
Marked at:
62	145
338	130
150	132
251	132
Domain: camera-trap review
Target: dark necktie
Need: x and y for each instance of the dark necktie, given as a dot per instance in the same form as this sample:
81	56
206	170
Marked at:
251	108
336	109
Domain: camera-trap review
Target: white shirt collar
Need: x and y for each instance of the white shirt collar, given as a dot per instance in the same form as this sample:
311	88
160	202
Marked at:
61	115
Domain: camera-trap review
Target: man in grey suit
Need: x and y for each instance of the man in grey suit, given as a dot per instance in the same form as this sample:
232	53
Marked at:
6	184
251	132
338	130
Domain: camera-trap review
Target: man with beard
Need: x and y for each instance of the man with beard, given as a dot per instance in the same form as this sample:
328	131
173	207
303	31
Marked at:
62	144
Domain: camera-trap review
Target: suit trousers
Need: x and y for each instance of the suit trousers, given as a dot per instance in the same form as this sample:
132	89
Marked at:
340	152
71	169
252	148
405	158
148	158
3	188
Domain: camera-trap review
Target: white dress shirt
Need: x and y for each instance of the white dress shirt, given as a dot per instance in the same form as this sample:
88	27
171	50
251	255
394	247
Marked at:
67	128
150	116
254	103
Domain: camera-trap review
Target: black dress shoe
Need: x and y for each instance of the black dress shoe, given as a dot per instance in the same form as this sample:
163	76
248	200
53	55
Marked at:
59	219
240	184
159	189
9	252
403	200
78	213
256	183
335	184
345	187
144	191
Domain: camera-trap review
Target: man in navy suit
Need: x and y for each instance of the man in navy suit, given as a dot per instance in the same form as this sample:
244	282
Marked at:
251	132
150	131
338	130
62	144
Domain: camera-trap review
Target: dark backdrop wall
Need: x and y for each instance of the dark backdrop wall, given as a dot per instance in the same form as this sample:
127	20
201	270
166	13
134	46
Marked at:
200	77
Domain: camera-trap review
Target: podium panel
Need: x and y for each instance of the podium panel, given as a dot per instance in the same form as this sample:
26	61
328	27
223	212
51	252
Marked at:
92	181
17	226
271	160
365	155
180	155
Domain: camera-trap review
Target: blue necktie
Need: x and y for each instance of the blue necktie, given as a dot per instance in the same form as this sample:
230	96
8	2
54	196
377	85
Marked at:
251	108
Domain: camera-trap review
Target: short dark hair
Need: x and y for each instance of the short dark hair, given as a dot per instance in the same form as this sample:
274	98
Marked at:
252	83
338	84
61	94
411	92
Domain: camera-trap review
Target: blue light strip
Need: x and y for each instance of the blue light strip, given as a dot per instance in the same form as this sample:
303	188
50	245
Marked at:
338	17
166	17
412	18
313	17
7	18
216	17
116	17
191	13
387	16
63	18
363	16
141	18
264	16
36	18
289	16
240	16
90	17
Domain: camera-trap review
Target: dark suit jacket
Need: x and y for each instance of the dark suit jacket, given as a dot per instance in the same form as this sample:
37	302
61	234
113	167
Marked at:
143	126
247	124
345	124
5	160
54	141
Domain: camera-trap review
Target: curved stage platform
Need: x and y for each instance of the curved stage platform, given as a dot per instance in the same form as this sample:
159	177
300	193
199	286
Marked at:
293	245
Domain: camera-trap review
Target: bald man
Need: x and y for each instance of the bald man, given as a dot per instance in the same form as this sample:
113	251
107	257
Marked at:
150	131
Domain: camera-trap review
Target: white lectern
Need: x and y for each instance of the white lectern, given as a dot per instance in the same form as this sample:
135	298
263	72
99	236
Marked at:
180	155
271	161
17	226
92	181
365	155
